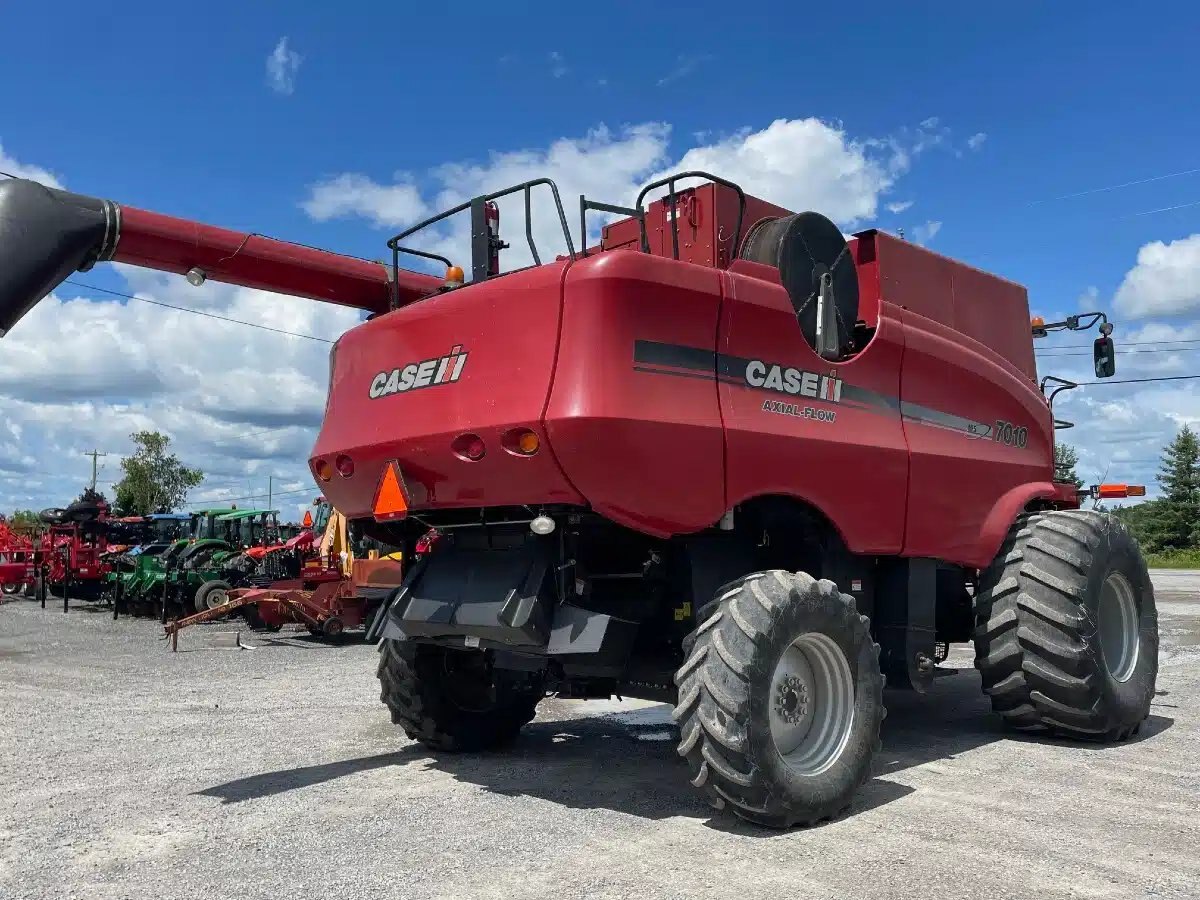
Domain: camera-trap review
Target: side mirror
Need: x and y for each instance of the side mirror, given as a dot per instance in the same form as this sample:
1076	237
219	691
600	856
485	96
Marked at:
1104	356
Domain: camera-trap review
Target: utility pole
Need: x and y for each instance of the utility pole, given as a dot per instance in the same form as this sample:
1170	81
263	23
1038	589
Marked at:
94	454
270	489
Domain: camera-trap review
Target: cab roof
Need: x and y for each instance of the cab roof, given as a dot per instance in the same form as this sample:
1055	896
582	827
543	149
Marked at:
173	517
214	511
245	514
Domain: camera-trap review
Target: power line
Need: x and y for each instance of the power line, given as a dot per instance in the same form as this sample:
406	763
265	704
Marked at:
1123	344
200	503
196	312
1121	352
1139	380
1114	187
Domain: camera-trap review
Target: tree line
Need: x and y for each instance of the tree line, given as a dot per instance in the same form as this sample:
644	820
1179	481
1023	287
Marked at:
1172	521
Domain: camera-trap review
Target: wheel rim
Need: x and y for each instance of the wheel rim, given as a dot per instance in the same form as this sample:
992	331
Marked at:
1119	633
216	597
811	704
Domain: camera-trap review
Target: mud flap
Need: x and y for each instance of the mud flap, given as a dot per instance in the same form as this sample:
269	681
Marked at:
497	596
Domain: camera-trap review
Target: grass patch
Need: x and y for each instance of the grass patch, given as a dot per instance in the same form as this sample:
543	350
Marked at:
1174	559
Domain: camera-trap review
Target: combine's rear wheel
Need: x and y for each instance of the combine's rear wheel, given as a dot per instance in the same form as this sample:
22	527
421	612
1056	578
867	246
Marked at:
454	699
1066	633
780	699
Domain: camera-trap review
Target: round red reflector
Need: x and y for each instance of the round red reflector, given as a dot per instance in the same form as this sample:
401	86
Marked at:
323	469
345	465
469	446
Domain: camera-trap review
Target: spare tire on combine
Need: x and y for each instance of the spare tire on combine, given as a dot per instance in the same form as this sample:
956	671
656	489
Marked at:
1066	634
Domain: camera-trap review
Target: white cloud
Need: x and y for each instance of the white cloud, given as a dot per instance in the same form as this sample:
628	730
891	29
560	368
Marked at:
1089	300
923	234
975	141
558	68
282	66
351	194
898	207
1165	281
798	163
685	65
33	173
240	403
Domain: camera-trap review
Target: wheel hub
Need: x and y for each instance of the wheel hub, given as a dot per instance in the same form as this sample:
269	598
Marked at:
811	704
1118	627
791	699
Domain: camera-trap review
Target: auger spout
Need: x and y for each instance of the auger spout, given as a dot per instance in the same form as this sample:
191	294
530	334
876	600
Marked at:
46	234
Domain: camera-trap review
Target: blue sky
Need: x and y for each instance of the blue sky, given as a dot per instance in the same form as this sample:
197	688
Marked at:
179	112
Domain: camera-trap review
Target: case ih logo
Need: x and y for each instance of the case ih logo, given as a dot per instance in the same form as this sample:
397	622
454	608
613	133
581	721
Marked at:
795	382
427	373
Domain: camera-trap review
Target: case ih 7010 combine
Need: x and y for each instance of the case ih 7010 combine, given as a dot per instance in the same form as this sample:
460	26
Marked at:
724	458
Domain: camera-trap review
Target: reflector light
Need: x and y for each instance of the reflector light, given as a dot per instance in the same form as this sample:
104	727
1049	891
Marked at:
344	465
528	443
390	500
1137	490
323	469
1038	322
469	446
1114	490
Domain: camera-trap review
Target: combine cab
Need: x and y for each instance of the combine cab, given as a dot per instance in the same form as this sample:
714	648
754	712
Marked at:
725	458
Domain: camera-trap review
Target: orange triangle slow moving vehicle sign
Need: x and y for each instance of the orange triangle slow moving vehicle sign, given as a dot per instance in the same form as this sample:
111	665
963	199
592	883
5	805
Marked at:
390	502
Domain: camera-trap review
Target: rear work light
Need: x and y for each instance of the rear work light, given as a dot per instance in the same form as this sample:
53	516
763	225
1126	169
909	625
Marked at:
344	465
323	469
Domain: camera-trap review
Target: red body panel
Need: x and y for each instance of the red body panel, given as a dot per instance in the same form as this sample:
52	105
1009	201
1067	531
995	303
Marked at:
508	330
658	389
855	468
616	427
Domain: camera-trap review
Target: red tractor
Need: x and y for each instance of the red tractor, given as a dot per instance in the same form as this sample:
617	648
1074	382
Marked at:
725	458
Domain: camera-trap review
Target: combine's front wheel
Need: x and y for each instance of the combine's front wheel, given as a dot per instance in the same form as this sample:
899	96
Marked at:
780	699
1066	633
454	699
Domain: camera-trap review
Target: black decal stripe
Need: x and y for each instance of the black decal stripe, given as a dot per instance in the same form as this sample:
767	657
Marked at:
676	356
676	372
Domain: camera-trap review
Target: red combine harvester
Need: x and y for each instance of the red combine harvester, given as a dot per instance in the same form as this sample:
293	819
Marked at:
725	458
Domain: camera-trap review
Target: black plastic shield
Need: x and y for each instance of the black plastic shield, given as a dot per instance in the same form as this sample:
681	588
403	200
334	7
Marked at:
45	235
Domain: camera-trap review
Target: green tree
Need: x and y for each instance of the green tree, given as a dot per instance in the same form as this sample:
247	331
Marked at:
1066	458
154	480
24	518
1173	524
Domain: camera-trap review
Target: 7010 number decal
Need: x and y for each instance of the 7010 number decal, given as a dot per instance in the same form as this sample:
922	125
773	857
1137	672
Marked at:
1013	435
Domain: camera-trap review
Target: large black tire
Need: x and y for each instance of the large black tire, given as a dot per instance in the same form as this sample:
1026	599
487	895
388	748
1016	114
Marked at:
1040	636
452	699
203	600
728	682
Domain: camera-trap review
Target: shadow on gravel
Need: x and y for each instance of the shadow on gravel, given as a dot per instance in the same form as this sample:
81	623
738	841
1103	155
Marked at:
604	762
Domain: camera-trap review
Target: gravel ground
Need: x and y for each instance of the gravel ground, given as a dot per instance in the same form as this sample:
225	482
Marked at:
127	771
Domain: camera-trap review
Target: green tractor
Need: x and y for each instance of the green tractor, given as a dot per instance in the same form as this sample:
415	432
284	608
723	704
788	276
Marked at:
208	568
142	570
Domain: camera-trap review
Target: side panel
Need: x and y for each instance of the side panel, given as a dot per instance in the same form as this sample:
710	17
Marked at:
405	385
799	426
633	416
976	430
